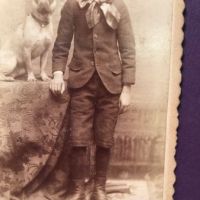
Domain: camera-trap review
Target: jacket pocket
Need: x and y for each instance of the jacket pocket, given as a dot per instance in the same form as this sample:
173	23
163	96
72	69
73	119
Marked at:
74	66
115	69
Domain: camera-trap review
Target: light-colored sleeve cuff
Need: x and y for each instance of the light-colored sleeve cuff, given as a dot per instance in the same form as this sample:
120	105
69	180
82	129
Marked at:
58	72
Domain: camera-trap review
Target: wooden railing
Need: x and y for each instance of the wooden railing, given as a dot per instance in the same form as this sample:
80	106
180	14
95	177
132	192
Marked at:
137	154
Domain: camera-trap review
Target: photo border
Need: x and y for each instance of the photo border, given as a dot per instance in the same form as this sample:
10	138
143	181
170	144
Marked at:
173	98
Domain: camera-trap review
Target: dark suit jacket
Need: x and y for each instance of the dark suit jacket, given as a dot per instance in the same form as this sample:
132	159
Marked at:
110	52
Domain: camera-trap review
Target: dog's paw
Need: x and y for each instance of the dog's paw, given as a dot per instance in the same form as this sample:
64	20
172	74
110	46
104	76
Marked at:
10	78
44	77
31	77
6	78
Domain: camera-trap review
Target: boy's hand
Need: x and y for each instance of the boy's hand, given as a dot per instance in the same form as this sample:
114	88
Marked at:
57	84
125	98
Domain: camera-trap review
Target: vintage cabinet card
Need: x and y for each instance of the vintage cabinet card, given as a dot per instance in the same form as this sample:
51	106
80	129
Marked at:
34	123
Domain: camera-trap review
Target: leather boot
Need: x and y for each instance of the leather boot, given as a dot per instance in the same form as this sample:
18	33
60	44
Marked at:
100	190
77	190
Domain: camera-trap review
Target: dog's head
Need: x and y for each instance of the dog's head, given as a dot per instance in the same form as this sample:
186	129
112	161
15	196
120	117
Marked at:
44	7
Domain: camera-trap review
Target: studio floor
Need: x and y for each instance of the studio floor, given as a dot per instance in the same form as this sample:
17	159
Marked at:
138	191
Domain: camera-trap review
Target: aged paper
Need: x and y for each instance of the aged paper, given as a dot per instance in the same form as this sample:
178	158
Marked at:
174	92
34	146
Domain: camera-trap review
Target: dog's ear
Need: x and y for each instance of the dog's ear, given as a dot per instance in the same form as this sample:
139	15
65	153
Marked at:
34	4
52	5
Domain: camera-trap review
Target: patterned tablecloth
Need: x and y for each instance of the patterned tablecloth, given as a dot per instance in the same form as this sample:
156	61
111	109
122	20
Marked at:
32	136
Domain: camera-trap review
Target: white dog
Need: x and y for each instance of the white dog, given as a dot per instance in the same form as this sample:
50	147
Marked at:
32	39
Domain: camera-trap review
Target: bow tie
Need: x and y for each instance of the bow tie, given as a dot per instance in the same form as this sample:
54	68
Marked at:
93	15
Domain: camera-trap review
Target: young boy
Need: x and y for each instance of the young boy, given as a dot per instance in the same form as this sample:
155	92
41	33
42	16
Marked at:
101	73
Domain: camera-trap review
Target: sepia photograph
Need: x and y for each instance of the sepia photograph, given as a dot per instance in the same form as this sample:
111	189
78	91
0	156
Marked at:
89	91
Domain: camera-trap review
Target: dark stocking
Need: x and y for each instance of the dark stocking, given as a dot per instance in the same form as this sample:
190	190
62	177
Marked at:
102	162
78	163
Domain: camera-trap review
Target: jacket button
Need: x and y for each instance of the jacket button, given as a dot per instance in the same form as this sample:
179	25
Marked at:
95	36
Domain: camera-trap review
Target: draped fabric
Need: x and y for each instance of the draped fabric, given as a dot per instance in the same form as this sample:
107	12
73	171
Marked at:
33	131
109	10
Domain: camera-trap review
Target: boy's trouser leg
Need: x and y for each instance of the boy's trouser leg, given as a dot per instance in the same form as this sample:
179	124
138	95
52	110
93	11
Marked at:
105	119
82	108
102	163
77	173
